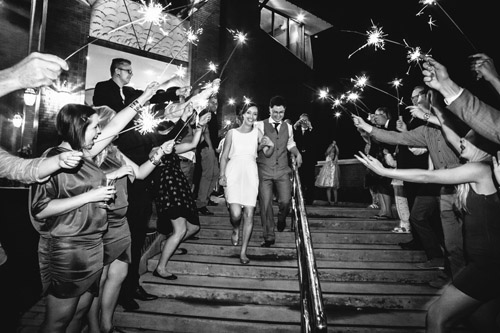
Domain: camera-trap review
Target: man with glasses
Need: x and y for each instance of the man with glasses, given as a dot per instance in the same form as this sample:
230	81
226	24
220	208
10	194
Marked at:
442	157
116	94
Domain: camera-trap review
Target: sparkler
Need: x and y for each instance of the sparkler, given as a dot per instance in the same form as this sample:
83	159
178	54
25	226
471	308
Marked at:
428	3
152	13
241	39
192	37
396	83
362	81
147	122
211	68
414	55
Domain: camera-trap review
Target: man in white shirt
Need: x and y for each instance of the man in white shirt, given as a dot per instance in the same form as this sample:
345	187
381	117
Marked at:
275	171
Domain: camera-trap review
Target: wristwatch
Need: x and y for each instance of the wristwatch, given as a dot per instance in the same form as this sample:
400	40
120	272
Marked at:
427	116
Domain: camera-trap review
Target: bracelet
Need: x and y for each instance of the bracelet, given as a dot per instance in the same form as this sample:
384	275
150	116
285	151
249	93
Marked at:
154	160
136	106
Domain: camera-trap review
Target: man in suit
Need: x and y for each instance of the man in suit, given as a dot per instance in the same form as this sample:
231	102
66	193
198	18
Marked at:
302	134
483	118
275	171
115	94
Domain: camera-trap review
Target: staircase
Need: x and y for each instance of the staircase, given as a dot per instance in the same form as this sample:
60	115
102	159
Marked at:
369	284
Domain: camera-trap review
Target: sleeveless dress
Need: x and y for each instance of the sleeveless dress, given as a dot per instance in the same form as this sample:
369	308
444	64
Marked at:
329	174
70	249
241	170
117	241
480	278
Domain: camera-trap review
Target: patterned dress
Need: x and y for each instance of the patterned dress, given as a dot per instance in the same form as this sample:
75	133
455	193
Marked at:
329	174
173	196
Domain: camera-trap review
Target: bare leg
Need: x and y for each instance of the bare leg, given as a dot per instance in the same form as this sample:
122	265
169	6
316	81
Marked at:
82	308
172	242
109	294
329	195
235	219
93	316
335	195
58	314
247	230
452	306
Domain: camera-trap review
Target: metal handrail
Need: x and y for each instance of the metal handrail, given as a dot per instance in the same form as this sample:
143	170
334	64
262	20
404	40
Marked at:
311	298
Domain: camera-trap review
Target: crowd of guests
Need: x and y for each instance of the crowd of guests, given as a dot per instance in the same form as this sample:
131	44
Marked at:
460	133
93	194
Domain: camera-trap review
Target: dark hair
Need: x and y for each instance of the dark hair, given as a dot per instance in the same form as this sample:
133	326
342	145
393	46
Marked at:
72	122
277	101
386	111
116	62
246	107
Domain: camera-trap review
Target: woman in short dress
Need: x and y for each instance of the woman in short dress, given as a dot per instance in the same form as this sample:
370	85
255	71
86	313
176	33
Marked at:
328	176
117	252
239	176
69	214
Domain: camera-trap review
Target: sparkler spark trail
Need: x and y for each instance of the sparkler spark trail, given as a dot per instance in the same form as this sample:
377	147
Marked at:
192	37
362	81
427	3
241	39
152	13
211	68
375	38
396	83
147	122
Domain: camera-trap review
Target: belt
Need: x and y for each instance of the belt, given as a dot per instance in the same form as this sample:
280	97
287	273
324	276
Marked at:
182	158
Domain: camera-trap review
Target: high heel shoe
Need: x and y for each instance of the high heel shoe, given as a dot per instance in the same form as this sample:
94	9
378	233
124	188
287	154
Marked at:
234	238
245	261
168	277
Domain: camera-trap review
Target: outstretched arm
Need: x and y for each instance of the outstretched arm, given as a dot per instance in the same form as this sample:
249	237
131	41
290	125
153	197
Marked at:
121	120
34	71
37	169
466	173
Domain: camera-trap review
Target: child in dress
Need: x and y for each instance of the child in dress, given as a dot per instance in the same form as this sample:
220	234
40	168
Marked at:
328	176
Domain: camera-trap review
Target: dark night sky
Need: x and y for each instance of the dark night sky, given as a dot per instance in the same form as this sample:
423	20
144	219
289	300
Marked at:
398	20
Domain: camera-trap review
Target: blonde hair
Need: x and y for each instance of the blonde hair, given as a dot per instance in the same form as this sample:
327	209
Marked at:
105	114
479	156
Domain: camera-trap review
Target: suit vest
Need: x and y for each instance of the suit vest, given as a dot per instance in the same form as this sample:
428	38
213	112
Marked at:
276	165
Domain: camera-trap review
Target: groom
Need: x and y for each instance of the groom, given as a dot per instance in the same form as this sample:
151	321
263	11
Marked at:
275	170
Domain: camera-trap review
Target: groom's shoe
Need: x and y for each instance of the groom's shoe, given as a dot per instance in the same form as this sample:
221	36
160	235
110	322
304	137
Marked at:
281	226
267	243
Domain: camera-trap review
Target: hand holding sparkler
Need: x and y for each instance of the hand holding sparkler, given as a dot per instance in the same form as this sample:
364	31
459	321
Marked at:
484	67
360	123
436	77
34	71
401	125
